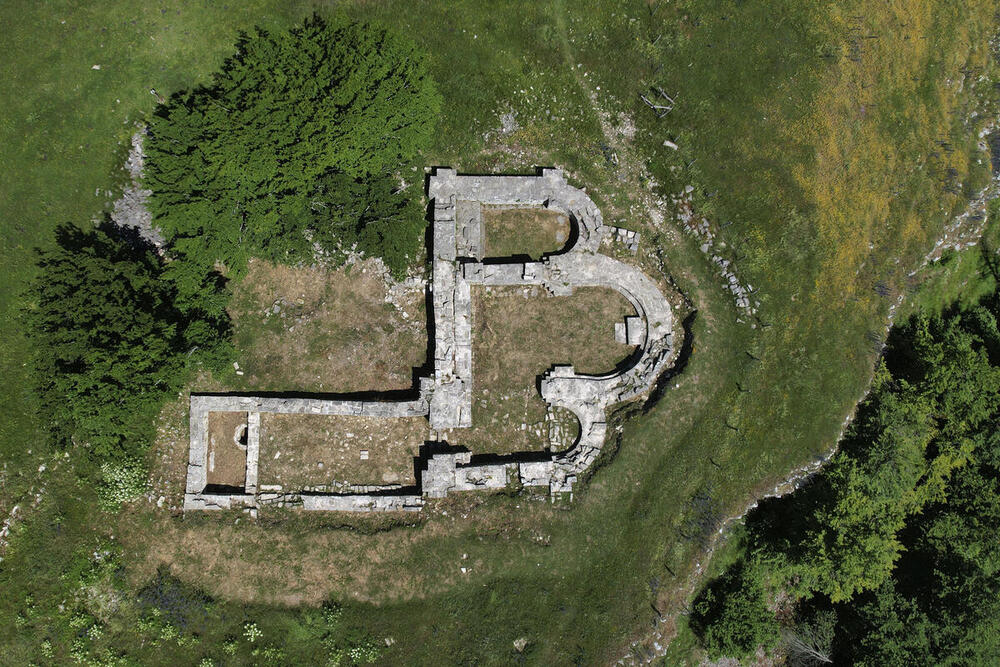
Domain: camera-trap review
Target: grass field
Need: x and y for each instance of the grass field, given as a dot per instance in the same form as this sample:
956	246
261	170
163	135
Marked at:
533	232
827	145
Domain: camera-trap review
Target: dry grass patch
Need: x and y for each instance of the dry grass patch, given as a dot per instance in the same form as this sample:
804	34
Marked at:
519	333
313	329
227	448
290	557
297	451
523	231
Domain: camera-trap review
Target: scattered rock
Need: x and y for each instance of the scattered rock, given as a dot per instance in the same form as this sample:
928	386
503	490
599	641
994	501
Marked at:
129	211
508	123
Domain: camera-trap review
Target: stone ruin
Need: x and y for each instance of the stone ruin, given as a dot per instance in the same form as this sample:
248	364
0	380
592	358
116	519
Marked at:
445	397
626	237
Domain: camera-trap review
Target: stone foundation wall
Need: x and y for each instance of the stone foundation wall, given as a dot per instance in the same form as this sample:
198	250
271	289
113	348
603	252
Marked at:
446	397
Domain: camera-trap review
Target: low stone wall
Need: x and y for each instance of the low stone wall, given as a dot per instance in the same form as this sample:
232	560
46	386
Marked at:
446	397
362	503
451	394
588	397
312	406
198	496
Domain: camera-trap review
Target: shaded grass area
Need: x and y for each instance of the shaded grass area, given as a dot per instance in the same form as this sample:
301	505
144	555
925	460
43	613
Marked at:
961	278
684	649
819	147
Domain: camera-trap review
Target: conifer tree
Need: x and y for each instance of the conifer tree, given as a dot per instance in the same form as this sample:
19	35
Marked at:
240	168
110	344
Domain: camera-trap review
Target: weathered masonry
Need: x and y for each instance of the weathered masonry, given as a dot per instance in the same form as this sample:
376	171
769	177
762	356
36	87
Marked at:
445	398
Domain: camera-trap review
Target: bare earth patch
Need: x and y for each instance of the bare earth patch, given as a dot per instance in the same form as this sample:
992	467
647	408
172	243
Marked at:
227	454
518	334
298	451
313	329
508	232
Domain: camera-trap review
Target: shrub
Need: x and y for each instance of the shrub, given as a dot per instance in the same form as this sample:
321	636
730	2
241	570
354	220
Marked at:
121	482
730	617
252	632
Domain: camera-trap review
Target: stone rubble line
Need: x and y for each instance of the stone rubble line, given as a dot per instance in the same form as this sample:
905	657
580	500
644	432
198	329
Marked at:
626	237
699	228
446	397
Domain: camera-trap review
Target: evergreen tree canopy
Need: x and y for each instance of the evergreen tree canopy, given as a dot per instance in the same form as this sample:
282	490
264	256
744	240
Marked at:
376	214
891	550
238	168
730	616
930	408
942	604
109	342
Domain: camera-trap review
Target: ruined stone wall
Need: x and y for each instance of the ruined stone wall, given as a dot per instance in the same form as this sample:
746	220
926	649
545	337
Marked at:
588	397
446	397
198	497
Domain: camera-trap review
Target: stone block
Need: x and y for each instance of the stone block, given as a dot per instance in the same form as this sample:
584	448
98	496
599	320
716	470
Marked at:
635	330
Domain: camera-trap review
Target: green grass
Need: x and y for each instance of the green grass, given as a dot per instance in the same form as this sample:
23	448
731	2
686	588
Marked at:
957	278
960	278
829	169
65	132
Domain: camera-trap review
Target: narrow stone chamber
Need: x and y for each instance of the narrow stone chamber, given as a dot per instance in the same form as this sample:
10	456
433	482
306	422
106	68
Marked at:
227	449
